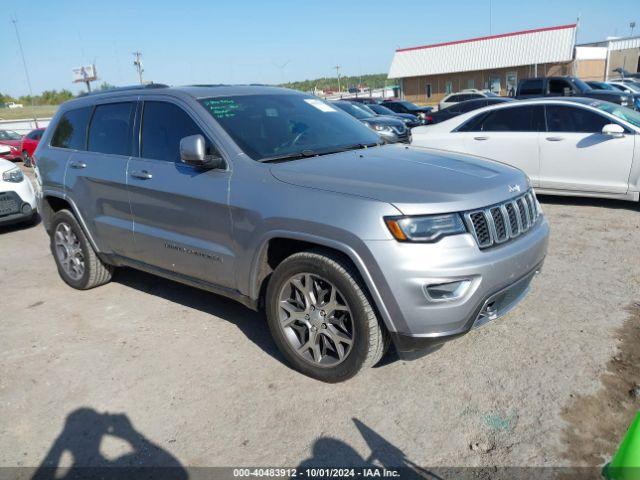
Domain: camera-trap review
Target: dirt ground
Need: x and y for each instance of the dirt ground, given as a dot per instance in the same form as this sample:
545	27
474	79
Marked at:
170	375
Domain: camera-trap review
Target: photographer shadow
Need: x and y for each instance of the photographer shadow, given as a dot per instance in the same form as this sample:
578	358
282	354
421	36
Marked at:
84	431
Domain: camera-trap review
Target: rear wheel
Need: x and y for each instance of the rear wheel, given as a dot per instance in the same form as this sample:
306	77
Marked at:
321	318
77	262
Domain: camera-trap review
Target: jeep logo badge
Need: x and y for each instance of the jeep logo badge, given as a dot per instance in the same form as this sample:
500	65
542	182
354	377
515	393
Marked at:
514	188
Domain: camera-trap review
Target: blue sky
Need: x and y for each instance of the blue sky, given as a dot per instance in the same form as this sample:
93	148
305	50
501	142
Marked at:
250	41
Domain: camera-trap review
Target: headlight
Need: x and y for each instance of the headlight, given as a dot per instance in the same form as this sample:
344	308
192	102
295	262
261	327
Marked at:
428	228
14	175
382	128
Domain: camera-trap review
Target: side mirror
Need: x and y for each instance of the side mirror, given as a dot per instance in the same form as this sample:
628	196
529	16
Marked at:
193	152
613	129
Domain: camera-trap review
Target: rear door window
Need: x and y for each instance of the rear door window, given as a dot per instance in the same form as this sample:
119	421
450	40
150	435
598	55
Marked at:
514	119
163	126
71	131
559	86
110	129
561	118
530	87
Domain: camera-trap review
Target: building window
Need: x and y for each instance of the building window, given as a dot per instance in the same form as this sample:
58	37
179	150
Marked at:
471	83
428	90
512	83
448	87
494	84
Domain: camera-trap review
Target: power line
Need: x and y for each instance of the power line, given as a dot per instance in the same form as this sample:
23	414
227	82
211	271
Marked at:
26	70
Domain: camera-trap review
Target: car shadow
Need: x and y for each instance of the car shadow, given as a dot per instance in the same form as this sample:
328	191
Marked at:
253	324
588	202
17	226
76	452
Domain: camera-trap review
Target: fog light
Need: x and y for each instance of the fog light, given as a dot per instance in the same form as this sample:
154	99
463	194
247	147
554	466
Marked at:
26	209
442	292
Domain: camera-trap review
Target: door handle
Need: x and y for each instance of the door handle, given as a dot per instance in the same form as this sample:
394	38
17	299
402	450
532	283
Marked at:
78	165
481	138
555	139
142	175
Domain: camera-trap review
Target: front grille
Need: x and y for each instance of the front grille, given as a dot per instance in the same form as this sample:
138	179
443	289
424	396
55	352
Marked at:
9	203
503	222
399	129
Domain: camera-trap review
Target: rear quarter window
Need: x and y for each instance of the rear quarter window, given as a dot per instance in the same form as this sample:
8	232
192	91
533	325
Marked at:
71	130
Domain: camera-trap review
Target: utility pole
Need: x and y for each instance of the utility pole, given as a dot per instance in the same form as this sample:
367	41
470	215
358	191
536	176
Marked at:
490	15
632	25
337	67
26	70
138	64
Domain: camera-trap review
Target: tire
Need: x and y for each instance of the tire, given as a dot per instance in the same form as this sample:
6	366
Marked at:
26	159
65	230
327	273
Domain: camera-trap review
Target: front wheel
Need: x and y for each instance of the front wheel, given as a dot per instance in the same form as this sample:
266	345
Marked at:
321	318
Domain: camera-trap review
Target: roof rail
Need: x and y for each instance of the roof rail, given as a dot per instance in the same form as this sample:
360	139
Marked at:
126	88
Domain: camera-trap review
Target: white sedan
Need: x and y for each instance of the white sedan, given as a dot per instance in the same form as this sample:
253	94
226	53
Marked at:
575	146
17	197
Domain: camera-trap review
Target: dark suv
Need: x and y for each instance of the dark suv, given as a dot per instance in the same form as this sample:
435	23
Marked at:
569	87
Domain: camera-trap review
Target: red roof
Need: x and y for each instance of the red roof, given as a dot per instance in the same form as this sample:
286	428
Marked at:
491	37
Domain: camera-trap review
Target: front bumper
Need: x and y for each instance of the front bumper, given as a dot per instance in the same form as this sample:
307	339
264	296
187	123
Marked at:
497	278
17	201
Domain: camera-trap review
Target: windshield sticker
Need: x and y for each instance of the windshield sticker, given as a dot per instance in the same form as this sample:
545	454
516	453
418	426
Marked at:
320	105
271	112
222	108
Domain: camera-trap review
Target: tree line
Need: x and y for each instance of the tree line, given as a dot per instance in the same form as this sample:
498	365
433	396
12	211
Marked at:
376	80
48	97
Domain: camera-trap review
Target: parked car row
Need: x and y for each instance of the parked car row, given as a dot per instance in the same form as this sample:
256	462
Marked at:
20	147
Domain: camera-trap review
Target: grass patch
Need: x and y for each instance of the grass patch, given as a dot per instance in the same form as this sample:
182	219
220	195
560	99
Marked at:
39	111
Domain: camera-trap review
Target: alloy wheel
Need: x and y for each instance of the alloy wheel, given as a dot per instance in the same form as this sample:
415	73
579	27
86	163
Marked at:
316	320
69	251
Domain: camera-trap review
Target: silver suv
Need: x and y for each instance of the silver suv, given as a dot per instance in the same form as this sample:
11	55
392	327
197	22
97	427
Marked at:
281	201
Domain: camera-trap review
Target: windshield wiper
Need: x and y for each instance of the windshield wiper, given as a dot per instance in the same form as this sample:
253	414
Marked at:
359	146
290	156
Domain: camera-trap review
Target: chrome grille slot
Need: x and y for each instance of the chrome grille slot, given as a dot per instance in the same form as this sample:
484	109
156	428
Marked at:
481	229
501	223
524	215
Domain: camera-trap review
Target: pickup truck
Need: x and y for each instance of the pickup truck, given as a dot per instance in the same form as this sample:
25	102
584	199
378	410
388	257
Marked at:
569	87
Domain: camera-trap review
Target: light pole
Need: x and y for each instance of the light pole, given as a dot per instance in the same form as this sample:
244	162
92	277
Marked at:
138	64
632	25
337	67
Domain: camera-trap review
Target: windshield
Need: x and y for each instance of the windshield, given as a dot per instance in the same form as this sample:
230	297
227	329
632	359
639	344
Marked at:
634	87
9	135
266	126
365	109
409	105
353	110
380	110
581	85
621	112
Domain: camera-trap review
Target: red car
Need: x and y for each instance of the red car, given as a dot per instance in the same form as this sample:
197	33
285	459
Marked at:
29	144
13	139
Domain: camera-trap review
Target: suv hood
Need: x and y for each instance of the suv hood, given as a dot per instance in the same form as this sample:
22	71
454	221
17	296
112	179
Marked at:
415	180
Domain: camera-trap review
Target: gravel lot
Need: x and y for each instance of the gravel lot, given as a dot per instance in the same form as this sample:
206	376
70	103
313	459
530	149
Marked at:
194	379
